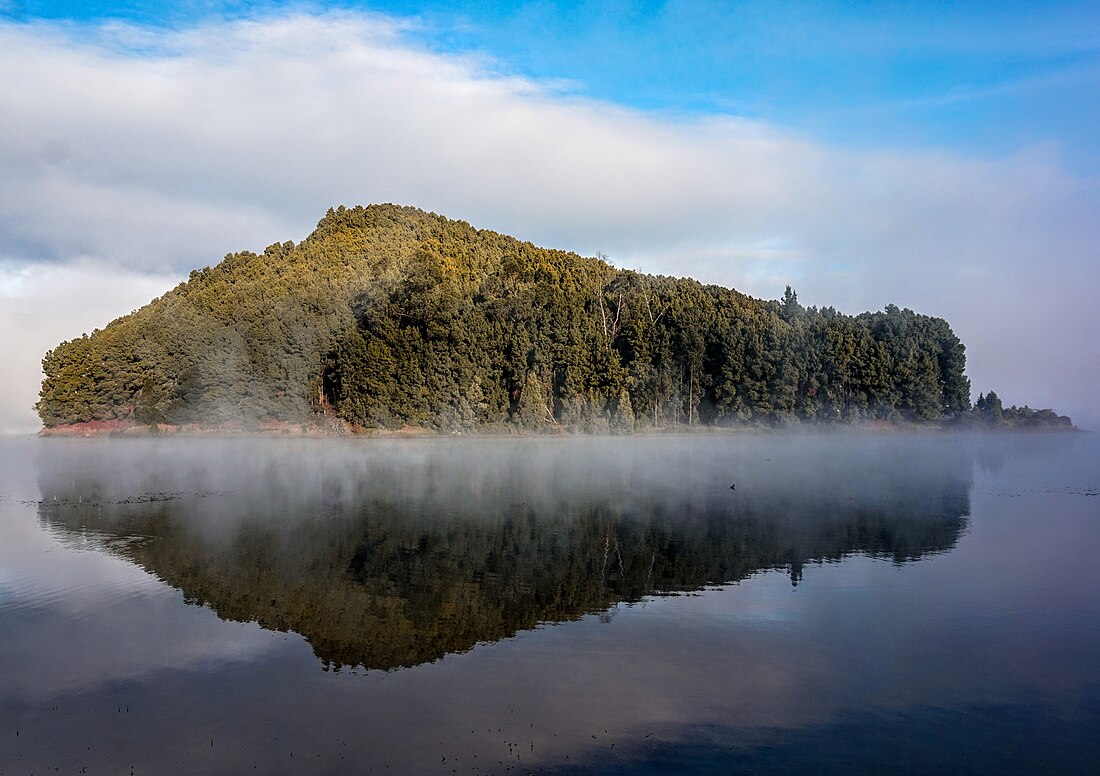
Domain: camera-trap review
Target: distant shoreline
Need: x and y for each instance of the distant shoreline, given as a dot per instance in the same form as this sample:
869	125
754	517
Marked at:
337	429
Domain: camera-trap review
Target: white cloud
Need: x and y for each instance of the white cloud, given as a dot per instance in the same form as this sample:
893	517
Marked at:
161	151
44	304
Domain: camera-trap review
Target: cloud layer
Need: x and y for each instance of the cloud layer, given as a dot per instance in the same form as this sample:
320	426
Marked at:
141	154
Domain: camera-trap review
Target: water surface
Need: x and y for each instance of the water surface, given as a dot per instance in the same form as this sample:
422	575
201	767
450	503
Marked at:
856	603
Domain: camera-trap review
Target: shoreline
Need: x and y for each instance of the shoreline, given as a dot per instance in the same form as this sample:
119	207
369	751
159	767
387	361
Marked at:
339	429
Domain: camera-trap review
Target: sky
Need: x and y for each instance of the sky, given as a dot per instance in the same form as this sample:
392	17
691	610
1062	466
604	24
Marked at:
936	156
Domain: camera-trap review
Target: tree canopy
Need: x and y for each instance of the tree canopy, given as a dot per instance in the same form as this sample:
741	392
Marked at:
388	316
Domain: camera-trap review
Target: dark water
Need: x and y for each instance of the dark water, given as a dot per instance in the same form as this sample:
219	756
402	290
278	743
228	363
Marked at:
857	604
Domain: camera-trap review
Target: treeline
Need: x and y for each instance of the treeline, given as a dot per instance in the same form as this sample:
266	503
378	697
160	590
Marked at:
388	316
989	412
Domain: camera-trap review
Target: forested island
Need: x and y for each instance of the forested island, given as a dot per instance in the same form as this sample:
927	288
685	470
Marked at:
388	317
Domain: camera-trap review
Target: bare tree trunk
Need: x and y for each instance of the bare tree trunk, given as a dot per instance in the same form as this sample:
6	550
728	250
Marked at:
691	394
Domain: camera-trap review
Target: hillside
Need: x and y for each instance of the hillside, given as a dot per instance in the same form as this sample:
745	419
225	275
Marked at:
388	316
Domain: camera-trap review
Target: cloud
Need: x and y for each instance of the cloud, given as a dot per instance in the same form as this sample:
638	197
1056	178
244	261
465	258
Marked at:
157	151
44	304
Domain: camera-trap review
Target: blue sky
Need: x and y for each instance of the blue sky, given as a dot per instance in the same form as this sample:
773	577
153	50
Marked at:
987	77
938	156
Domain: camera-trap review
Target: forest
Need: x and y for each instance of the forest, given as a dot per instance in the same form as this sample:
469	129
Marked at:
389	317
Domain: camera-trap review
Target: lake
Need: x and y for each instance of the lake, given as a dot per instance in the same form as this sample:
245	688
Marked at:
753	603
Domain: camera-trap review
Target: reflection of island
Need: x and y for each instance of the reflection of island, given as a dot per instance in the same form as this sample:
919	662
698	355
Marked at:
386	555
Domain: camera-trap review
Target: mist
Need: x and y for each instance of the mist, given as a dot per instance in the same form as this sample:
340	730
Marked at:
454	598
394	553
436	480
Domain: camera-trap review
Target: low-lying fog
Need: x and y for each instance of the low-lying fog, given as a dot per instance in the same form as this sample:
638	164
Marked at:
276	479
387	553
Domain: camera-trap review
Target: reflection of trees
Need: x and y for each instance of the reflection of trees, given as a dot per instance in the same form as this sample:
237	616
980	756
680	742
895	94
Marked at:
401	560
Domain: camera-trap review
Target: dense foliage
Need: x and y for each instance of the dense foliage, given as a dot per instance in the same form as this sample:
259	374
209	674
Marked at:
389	316
989	412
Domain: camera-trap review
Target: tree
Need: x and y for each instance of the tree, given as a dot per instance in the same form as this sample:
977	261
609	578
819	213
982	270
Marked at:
990	409
790	309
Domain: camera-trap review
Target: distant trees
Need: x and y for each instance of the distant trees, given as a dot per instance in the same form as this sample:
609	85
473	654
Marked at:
390	316
988	411
989	408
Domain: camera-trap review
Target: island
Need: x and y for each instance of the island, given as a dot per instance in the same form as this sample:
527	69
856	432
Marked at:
391	318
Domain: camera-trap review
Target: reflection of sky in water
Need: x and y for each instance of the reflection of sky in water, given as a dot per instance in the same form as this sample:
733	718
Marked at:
75	619
1007	620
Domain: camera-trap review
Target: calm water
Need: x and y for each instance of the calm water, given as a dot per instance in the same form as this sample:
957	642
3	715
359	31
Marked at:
856	604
